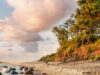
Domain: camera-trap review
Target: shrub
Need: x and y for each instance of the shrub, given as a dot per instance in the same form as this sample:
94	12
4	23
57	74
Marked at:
91	48
97	57
49	57
98	42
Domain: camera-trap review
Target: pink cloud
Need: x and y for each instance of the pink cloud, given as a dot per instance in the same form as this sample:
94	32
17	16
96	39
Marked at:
32	16
28	18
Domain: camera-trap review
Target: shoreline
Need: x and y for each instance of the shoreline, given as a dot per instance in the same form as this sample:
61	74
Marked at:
70	68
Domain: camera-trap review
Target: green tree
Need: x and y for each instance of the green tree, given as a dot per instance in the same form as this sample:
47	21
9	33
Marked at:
61	33
87	18
72	31
77	32
88	15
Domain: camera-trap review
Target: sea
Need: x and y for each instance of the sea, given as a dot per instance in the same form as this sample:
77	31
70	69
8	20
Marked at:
36	72
9	66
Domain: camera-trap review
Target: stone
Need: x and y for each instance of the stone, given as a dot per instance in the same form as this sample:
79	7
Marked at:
5	66
21	72
0	73
22	67
14	72
86	73
28	72
25	68
44	73
31	69
13	69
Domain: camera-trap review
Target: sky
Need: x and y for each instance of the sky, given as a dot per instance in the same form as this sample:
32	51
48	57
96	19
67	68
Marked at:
26	27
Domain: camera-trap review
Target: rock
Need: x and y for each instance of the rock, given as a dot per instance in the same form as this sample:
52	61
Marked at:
25	68
22	67
5	66
0	73
28	72
86	73
44	73
1	62
21	72
14	72
13	69
31	69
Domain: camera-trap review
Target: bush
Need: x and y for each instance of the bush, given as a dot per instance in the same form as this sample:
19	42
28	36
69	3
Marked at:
49	57
98	42
91	48
97	57
68	52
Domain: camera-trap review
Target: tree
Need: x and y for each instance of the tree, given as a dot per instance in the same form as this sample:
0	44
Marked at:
87	18
81	27
83	24
88	15
70	25
61	33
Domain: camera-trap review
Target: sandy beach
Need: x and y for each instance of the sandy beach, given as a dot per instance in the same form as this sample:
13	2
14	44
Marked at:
57	68
71	68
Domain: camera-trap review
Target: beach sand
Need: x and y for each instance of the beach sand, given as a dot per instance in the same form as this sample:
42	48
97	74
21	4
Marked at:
71	68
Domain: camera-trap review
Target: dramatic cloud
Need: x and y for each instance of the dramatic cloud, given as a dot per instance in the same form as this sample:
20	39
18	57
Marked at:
28	19
32	16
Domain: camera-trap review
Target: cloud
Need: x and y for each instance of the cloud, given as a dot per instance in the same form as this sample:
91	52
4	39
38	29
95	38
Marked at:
32	16
31	47
28	19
